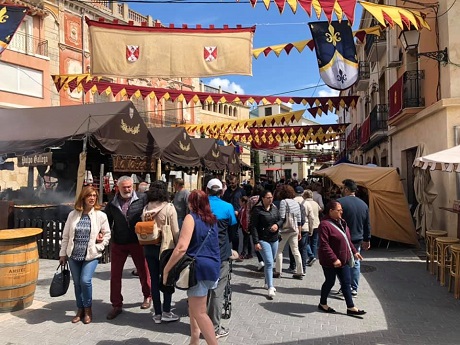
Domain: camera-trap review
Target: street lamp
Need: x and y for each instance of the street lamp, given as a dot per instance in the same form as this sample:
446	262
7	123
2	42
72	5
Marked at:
410	40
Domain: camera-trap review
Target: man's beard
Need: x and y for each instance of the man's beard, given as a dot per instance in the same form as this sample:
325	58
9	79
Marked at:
126	195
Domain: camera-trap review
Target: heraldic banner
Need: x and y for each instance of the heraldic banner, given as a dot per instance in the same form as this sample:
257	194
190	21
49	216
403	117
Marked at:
10	19
336	53
140	51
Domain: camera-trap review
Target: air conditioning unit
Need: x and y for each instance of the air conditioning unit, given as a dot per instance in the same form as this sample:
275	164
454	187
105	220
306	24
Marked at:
394	57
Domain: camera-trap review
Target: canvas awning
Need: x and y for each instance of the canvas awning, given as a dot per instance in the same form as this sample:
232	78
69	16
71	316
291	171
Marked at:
388	207
231	159
114	127
210	155
446	160
174	146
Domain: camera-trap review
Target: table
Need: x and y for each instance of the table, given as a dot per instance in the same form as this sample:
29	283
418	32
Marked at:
450	209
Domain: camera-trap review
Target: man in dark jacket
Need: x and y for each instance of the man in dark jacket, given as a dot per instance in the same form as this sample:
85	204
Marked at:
356	214
233	195
123	212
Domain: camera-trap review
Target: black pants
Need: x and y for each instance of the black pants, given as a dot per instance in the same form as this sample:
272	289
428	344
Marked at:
234	237
343	273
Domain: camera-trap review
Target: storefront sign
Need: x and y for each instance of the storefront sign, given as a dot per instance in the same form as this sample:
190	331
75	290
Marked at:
131	164
35	160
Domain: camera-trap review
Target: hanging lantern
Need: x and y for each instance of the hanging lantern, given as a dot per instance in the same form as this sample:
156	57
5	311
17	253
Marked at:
299	145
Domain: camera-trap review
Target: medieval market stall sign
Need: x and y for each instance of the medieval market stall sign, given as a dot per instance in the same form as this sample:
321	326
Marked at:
35	160
133	164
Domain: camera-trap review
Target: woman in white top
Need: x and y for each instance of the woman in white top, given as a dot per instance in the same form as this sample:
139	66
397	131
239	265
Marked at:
287	195
85	235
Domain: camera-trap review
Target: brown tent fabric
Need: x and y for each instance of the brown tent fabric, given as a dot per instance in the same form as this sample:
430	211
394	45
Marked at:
210	155
175	147
231	159
388	207
114	127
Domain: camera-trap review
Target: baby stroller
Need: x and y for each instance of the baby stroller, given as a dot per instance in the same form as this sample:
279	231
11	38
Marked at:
227	309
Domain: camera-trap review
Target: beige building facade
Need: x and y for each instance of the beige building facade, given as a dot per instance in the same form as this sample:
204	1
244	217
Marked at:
427	113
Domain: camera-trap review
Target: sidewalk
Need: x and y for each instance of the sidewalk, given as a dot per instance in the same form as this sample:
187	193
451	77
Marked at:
405	305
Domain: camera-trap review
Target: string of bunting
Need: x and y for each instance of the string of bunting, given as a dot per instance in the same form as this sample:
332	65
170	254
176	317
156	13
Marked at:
288	134
300	45
88	83
386	15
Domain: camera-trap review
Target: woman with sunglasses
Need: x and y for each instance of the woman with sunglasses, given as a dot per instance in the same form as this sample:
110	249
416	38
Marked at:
335	256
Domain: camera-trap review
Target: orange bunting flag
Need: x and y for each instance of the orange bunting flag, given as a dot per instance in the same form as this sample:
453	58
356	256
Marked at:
171	52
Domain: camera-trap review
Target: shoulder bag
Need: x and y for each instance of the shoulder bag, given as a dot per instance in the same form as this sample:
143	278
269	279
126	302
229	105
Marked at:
148	231
61	280
290	223
184	270
351	262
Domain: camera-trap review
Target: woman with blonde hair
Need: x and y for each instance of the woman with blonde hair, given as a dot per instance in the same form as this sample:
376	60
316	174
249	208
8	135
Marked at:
85	235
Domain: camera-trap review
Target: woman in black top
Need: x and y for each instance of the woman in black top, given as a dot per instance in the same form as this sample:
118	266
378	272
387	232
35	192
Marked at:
265	224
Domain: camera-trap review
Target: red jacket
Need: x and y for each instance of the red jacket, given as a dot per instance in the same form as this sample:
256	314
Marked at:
332	244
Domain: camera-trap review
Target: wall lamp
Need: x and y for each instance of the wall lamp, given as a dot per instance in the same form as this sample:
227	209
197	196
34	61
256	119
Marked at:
410	40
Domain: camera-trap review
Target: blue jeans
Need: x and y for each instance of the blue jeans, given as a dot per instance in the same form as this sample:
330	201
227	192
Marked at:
343	273
152	255
312	245
268	253
356	271
82	275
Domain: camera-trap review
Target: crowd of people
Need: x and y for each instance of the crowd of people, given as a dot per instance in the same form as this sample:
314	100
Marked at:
208	225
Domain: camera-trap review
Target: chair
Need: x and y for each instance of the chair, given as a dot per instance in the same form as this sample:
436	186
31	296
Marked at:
454	271
442	256
430	236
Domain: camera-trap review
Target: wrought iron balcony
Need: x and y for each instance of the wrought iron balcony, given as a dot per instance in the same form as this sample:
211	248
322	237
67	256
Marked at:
379	118
364	73
405	95
353	138
28	44
412	89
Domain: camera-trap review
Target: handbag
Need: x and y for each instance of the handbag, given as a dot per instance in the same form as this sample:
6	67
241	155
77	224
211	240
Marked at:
61	280
351	262
147	231
185	269
290	223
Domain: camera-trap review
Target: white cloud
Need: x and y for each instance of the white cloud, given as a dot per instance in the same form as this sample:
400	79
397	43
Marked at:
226	85
328	93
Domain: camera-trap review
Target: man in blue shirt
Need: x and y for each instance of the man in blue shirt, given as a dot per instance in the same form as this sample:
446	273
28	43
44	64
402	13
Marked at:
356	214
225	215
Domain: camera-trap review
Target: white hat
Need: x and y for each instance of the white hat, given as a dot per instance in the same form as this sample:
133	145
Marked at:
214	184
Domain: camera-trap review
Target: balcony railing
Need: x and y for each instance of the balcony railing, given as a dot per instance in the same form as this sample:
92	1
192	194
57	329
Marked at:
353	138
364	70
28	44
379	118
364	73
412	89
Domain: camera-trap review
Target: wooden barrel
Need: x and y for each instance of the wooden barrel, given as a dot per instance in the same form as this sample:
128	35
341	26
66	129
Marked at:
18	268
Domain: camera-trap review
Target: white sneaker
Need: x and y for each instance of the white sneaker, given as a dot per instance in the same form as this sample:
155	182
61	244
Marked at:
260	266
156	318
271	292
169	317
266	287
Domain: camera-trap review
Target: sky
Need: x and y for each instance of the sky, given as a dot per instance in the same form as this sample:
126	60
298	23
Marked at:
295	74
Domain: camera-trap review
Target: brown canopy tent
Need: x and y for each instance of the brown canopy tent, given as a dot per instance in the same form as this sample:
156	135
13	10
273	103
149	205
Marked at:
231	159
388	207
174	147
114	127
210	154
